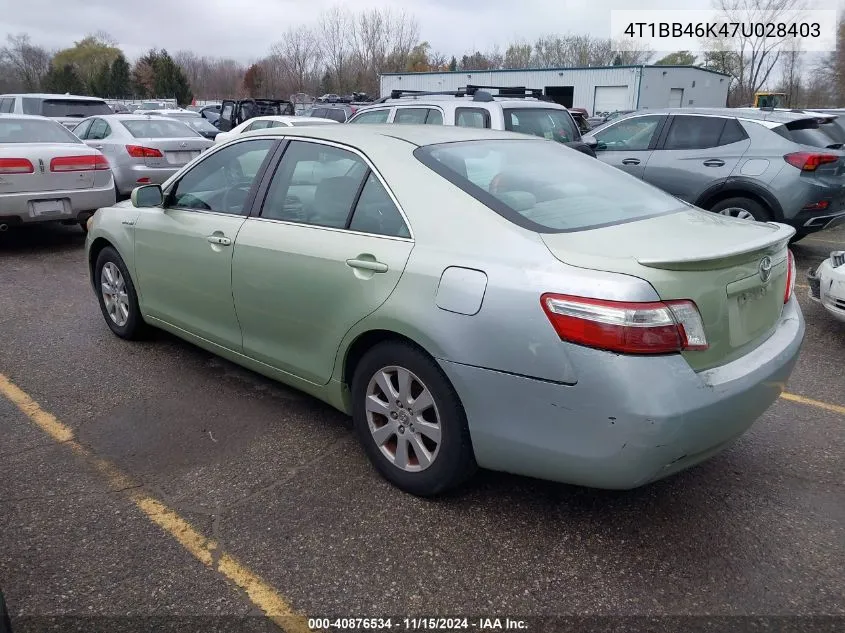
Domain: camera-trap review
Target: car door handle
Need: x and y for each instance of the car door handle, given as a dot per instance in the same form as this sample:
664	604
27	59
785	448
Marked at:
714	162
367	264
631	161
219	239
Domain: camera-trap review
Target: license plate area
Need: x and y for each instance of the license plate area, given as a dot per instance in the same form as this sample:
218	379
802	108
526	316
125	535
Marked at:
755	306
181	158
47	208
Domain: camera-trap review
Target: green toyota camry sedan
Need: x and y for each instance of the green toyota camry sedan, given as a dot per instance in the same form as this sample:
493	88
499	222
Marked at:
471	298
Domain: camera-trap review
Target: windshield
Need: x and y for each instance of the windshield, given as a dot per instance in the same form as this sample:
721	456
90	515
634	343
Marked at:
544	186
201	125
80	108
548	123
158	128
34	131
336	114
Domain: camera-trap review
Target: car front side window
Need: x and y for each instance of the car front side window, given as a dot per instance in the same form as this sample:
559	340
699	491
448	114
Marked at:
628	135
223	181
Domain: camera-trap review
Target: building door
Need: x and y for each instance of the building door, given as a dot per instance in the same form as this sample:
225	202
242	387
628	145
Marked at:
611	99
564	95
676	97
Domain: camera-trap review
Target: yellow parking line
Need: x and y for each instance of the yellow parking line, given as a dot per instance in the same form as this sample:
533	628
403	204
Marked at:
835	408
260	592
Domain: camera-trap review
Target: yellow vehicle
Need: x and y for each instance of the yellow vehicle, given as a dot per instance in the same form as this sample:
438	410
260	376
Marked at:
770	100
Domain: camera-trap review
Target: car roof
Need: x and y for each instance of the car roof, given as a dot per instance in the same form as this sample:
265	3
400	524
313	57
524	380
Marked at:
466	101
13	115
754	114
419	135
45	95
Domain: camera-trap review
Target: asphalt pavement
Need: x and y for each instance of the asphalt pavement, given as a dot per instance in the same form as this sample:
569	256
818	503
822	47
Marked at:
153	479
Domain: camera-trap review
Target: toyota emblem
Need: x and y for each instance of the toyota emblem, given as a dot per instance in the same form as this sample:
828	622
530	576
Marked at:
765	268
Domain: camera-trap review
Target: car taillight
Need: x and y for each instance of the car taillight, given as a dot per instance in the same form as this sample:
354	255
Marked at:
79	163
808	161
658	327
138	151
790	276
15	166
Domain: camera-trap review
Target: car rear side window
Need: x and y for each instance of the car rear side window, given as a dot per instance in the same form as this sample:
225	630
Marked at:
315	184
694	132
418	116
733	133
258	125
373	116
158	128
99	130
544	187
472	117
7	104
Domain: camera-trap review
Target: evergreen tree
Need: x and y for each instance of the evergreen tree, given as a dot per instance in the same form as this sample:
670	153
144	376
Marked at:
64	79
119	78
100	85
453	64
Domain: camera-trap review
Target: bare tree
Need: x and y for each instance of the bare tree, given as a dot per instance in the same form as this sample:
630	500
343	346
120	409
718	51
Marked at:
790	81
29	63
757	56
518	55
298	55
334	28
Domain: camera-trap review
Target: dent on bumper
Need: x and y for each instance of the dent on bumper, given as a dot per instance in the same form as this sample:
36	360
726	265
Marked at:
629	420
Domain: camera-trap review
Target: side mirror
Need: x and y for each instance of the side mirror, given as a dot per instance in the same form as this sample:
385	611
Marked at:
590	140
147	196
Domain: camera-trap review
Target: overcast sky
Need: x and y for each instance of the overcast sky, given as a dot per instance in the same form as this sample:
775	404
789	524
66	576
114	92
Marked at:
245	29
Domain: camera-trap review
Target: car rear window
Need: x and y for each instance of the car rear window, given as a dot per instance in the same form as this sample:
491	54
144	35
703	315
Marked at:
80	108
806	132
335	114
34	131
544	186
158	128
549	123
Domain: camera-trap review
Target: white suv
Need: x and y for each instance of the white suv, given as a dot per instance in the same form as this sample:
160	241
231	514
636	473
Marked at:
527	112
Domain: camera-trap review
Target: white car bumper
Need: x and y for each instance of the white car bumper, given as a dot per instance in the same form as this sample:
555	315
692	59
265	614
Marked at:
827	284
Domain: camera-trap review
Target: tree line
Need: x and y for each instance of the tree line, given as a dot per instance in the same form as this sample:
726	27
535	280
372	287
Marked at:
344	51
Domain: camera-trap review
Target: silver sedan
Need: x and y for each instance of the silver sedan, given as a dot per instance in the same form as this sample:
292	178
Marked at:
141	149
46	173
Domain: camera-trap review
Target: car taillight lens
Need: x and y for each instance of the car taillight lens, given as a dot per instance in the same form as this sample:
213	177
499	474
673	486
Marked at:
790	276
658	327
15	166
79	163
138	151
808	161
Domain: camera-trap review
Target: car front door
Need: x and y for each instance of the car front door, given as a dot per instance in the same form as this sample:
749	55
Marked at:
628	144
697	154
327	250
183	252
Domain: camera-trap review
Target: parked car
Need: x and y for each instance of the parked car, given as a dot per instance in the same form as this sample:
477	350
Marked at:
328	98
336	112
141	149
175	113
211	112
119	108
146	106
265	122
47	174
66	109
827	284
588	329
750	164
520	110
580	118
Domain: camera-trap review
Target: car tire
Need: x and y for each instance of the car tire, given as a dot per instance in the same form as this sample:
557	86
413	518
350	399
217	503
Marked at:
452	461
744	208
121	313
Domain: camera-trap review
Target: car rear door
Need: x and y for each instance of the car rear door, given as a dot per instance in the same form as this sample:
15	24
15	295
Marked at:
628	144
327	249
696	153
183	252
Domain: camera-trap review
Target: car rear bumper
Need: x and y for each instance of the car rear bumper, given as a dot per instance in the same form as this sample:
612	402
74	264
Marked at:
827	287
127	176
629	420
18	208
812	221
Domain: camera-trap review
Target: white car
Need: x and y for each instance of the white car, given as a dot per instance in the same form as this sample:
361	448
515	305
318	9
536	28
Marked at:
827	284
264	122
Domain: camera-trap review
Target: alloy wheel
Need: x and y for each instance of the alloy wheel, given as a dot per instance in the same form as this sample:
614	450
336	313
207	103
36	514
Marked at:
738	212
115	298
403	418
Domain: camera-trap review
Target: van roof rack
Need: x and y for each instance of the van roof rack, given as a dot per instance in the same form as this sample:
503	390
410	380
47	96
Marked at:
507	91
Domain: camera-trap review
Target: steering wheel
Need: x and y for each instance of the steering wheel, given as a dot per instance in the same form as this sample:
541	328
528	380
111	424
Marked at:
231	202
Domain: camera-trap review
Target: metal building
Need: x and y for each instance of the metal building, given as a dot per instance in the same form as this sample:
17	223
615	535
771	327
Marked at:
597	89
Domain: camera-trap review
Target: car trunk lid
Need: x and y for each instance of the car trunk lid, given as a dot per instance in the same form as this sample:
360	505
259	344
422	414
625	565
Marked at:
710	259
30	167
175	152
